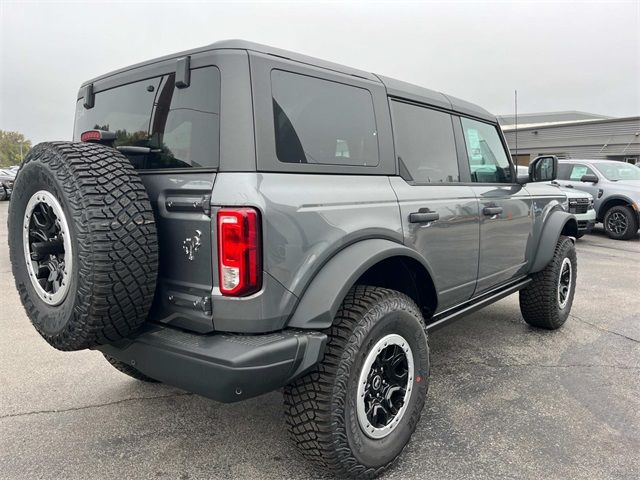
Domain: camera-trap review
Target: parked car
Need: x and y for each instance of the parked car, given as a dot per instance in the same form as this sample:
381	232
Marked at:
579	203
615	187
7	178
237	219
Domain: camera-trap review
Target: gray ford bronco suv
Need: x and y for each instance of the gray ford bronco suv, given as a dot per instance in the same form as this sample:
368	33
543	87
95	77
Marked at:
237	219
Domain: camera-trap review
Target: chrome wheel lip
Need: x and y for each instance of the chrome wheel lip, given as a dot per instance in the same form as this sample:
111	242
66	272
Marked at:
564	282
43	196
365	425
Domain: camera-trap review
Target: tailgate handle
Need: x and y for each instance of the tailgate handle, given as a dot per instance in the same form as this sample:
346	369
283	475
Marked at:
189	204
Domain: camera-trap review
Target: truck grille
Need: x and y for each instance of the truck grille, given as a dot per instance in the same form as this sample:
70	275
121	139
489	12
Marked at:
578	205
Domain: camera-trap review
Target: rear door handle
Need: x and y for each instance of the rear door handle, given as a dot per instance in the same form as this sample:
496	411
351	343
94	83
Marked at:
491	211
568	185
424	215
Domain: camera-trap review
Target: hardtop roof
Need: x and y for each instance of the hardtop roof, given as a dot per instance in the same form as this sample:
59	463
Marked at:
396	88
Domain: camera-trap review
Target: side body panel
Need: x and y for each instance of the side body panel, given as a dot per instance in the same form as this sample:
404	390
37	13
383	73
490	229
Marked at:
308	218
546	201
450	244
503	237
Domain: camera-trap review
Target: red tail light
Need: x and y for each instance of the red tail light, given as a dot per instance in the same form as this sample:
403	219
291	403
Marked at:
98	136
239	255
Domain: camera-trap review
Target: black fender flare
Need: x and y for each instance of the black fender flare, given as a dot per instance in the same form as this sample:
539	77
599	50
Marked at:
553	228
604	206
321	299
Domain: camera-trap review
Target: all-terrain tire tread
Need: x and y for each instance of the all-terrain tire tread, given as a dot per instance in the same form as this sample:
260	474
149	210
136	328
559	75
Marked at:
116	239
310	417
538	300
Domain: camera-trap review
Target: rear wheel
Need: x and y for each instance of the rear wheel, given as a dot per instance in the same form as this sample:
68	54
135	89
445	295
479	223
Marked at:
546	301
354	414
3	194
621	222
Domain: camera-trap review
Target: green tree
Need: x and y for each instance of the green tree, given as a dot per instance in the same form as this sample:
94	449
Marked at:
13	147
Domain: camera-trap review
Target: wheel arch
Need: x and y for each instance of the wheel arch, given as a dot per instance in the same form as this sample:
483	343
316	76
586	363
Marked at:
610	202
558	223
375	262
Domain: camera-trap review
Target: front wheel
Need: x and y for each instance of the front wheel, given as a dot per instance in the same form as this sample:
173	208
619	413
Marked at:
354	414
621	222
3	194
546	301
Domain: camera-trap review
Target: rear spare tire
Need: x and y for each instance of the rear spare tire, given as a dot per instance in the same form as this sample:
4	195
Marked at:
83	244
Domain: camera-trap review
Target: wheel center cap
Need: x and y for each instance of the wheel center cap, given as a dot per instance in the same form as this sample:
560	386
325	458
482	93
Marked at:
376	382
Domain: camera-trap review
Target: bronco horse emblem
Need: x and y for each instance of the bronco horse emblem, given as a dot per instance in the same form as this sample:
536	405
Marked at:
190	245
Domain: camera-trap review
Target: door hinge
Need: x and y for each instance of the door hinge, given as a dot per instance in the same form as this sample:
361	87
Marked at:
204	303
206	204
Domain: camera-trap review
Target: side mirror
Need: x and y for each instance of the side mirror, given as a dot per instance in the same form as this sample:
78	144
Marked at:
589	178
543	169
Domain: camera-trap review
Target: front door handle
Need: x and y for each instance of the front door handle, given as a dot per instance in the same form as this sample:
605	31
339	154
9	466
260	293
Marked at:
491	211
424	215
568	185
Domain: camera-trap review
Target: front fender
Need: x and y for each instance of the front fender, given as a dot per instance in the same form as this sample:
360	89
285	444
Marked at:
553	227
322	298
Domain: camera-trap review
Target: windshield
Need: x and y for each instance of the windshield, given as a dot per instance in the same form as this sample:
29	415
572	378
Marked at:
615	171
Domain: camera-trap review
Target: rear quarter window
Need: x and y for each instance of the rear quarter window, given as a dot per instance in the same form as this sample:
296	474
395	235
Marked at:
181	126
322	122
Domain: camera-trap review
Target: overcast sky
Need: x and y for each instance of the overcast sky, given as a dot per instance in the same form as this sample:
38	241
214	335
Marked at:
560	56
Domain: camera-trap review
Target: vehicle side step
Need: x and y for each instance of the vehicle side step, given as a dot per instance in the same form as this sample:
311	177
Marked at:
444	318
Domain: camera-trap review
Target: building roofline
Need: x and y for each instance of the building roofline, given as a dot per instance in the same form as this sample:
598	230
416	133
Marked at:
559	112
541	126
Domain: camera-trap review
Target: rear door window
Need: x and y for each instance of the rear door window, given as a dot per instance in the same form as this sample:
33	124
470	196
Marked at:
180	126
322	122
424	143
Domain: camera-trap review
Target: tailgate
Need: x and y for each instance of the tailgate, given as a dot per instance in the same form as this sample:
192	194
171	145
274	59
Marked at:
181	203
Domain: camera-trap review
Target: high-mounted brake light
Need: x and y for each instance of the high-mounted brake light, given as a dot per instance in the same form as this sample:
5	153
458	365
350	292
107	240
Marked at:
239	252
97	136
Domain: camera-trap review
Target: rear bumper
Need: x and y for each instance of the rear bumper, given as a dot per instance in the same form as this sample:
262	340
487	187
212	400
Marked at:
224	367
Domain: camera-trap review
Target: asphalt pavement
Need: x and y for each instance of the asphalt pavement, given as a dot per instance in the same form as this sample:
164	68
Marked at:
505	401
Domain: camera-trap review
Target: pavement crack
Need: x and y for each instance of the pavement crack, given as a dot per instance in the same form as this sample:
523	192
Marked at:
602	329
97	405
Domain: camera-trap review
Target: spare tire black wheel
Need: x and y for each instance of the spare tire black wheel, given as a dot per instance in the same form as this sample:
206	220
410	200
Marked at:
83	244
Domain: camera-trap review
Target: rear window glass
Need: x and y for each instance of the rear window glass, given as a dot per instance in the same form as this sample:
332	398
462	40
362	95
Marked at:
322	122
424	143
180	126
